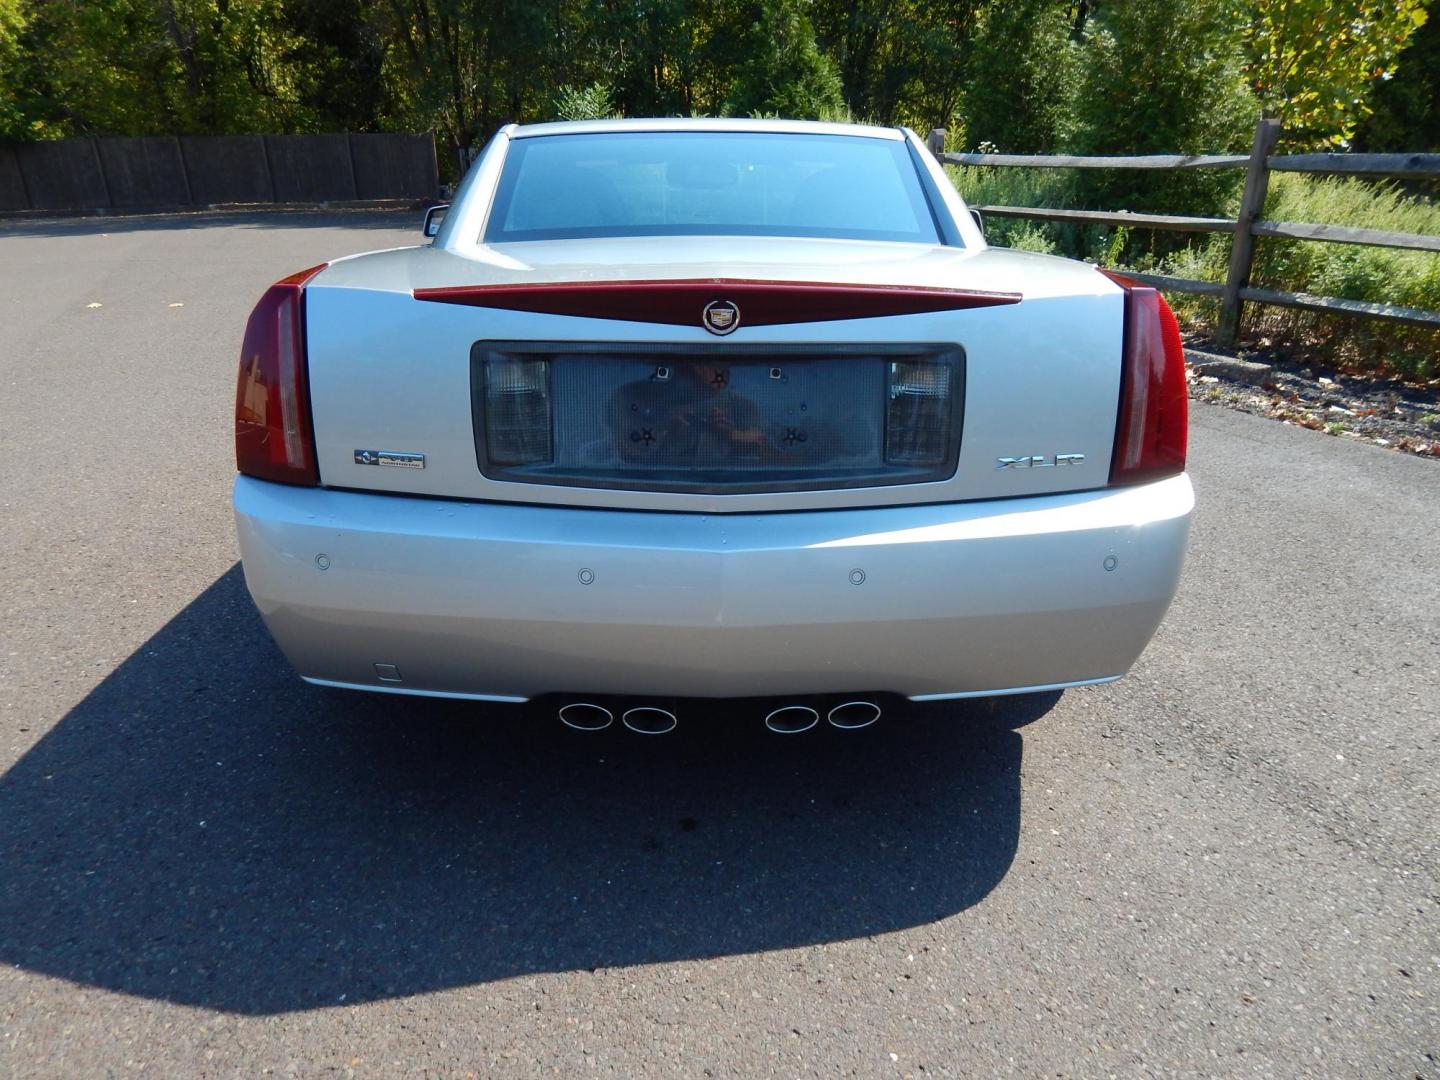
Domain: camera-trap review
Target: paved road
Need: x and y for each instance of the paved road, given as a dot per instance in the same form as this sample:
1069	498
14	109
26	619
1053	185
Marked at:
1225	865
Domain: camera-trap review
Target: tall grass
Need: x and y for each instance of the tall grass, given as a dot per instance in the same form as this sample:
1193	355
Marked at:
1377	275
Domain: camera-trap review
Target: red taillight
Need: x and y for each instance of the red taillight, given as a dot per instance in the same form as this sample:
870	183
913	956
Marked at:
1154	420
273	436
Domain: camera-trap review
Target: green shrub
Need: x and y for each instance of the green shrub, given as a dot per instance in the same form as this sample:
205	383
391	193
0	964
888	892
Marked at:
1028	236
591	102
1055	188
1352	272
1377	275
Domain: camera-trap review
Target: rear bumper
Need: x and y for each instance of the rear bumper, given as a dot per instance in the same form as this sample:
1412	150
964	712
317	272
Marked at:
508	601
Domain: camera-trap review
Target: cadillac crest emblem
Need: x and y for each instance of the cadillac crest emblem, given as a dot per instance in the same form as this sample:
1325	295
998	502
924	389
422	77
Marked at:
720	316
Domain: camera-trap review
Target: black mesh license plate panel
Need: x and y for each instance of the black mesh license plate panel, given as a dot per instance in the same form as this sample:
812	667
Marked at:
651	419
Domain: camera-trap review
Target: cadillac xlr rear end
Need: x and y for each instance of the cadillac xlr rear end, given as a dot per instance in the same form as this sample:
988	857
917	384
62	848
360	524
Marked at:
710	409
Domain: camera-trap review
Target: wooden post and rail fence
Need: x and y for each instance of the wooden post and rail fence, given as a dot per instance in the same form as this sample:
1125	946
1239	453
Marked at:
1259	164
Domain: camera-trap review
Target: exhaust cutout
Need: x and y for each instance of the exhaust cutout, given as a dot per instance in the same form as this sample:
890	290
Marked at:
586	716
854	714
649	720
792	719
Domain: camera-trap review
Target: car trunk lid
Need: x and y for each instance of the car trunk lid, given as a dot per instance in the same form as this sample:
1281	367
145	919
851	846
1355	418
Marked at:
838	359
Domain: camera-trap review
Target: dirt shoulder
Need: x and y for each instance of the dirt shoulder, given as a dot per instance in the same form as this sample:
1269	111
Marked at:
1388	412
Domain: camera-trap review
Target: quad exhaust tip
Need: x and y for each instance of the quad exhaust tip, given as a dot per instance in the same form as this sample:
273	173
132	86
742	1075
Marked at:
643	719
586	716
852	715
847	716
649	720
653	720
792	719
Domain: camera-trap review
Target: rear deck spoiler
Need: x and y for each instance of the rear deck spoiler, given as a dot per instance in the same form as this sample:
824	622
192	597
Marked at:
718	304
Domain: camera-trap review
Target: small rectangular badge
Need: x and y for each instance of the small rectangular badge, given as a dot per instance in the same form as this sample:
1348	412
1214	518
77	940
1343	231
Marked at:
398	459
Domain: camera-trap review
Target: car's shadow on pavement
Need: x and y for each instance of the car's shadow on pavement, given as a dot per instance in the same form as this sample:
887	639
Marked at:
203	828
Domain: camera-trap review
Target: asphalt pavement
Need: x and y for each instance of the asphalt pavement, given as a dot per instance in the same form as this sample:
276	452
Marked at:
1226	864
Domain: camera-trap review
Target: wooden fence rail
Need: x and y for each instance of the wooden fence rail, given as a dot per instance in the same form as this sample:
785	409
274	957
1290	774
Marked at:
1247	225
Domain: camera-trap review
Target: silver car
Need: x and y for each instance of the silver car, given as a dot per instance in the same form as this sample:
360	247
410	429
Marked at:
677	409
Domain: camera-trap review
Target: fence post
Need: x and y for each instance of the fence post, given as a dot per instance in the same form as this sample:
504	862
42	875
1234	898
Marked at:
935	142
1242	248
350	157
100	168
184	170
269	168
24	184
434	163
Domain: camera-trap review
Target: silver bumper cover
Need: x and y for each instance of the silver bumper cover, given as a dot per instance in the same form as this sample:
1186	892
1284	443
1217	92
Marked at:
507	601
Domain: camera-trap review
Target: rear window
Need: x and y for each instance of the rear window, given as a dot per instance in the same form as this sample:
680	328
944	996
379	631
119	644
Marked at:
558	187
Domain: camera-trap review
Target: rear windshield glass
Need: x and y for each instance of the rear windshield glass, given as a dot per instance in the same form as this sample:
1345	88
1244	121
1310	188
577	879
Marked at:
670	183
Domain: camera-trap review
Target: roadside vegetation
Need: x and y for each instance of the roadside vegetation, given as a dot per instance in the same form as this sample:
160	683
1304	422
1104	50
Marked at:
1015	76
1379	275
1024	75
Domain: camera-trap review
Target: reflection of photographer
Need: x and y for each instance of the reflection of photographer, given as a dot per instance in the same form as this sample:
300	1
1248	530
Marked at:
686	413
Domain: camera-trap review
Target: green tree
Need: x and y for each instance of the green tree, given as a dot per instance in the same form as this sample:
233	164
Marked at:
98	68
1022	79
464	67
1313	62
901	61
1405	108
13	120
337	54
659	58
1163	78
134	67
782	69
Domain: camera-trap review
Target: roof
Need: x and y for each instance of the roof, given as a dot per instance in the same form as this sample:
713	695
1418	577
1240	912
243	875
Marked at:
782	127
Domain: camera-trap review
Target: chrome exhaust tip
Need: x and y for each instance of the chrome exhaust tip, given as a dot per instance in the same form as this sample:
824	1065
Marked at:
792	719
586	716
649	720
851	715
